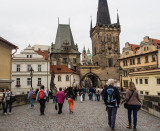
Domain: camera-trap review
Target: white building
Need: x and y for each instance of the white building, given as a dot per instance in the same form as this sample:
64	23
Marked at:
21	65
65	77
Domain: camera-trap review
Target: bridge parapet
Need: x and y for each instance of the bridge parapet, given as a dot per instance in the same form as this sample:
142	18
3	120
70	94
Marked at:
151	104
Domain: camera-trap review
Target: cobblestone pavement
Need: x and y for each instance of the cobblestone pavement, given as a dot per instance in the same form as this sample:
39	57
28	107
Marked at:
87	116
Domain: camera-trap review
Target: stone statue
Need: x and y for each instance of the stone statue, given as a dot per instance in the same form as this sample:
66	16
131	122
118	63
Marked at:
52	85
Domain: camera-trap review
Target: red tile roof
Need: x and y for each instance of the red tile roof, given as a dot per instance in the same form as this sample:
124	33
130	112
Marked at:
61	69
134	47
8	43
156	42
43	53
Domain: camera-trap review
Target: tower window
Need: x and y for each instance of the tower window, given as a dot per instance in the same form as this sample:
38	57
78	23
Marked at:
110	61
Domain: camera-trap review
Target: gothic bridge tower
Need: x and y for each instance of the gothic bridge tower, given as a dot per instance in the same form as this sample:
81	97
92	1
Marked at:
105	42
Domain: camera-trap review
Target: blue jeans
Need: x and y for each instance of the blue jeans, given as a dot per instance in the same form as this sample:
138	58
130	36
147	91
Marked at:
31	102
54	97
91	96
112	111
135	109
10	106
98	97
3	106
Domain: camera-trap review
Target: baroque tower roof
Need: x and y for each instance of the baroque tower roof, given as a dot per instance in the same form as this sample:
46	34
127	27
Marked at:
64	35
103	16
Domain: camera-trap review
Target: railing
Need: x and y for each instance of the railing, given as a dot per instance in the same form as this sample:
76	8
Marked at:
20	100
151	104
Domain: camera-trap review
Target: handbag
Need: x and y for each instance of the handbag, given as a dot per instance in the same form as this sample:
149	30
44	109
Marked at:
125	104
13	99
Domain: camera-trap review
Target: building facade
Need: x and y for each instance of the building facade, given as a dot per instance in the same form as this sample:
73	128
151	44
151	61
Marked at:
65	51
139	58
6	63
64	77
21	65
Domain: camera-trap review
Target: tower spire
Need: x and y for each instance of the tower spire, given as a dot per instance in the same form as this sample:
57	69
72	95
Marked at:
103	16
118	18
91	24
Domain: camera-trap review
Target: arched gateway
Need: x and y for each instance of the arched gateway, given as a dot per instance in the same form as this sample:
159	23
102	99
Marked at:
91	79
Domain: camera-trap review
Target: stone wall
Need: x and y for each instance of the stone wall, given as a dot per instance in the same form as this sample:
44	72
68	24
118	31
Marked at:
151	104
20	100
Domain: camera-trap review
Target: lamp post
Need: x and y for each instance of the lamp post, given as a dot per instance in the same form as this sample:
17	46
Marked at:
47	66
121	72
31	74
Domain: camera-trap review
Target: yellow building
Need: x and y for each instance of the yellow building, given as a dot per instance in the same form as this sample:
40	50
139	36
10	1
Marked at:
6	63
135	58
147	82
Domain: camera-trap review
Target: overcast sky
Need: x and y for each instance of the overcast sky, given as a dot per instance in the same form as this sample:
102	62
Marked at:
25	22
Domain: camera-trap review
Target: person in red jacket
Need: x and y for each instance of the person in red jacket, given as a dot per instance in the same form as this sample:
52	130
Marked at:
60	97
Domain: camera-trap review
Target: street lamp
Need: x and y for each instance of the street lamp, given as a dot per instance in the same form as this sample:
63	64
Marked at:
31	74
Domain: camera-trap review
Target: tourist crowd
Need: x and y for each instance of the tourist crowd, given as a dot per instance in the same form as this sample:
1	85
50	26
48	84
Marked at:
109	94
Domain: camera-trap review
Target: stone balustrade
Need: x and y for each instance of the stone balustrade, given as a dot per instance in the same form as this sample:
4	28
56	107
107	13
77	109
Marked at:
20	100
151	104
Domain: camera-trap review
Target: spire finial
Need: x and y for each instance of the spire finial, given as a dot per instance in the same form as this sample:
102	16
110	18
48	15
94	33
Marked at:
91	24
118	18
58	20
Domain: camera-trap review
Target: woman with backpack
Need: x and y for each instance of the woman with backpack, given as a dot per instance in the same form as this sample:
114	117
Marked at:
9	101
133	104
70	94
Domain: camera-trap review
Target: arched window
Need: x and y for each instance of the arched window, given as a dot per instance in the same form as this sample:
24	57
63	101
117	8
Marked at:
67	77
59	78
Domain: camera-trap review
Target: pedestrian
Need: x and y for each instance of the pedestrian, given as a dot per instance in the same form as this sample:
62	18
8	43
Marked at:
81	94
112	99
48	93
54	91
84	93
8	96
3	101
70	99
60	97
95	94
41	97
98	92
75	92
91	91
31	97
133	104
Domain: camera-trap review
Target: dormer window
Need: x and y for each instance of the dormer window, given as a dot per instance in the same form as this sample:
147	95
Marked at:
59	69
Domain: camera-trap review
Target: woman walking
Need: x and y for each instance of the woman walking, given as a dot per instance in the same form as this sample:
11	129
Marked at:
31	96
70	99
133	104
60	96
3	101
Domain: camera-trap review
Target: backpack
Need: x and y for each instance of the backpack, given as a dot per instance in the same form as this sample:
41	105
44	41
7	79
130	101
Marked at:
41	94
111	100
98	92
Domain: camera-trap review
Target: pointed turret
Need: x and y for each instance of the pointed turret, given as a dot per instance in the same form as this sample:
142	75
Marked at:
91	24
103	16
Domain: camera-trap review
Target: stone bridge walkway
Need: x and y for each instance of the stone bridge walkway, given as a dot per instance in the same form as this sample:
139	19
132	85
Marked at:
87	116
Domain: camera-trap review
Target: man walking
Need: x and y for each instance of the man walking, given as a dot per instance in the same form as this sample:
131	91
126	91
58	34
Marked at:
41	97
112	100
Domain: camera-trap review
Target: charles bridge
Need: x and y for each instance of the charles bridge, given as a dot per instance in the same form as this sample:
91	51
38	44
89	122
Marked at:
87	116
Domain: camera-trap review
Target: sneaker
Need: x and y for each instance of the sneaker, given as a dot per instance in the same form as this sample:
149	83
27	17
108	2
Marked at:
9	113
5	114
134	129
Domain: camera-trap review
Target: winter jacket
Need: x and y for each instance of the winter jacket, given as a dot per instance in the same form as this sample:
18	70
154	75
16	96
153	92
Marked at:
60	96
116	95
